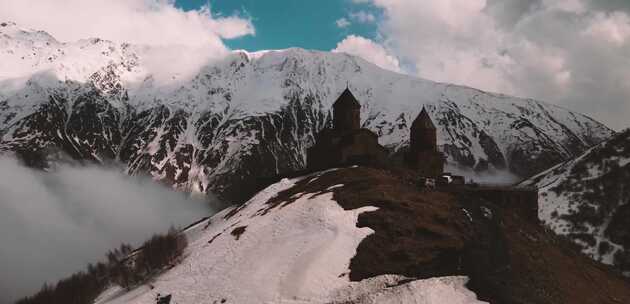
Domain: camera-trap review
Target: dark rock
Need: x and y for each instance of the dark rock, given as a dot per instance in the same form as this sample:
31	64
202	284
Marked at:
163	299
619	228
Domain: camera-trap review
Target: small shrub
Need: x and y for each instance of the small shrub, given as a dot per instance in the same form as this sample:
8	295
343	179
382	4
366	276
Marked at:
123	267
160	251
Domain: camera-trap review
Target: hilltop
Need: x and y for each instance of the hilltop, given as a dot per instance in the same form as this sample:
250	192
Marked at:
363	235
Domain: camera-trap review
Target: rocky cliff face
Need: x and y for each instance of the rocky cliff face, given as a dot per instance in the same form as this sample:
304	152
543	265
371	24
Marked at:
588	200
249	115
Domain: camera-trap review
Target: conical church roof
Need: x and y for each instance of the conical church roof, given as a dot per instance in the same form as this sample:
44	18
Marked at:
347	100
423	121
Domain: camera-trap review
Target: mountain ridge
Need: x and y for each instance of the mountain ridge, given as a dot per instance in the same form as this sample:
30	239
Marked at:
586	200
220	125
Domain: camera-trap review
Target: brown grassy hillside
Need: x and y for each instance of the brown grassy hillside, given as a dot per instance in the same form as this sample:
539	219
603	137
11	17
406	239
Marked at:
422	234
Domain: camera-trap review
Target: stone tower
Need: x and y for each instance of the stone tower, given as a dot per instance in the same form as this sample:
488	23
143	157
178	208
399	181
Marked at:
346	112
423	135
423	154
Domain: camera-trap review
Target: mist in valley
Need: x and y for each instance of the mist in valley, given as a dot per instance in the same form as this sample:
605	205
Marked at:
490	177
53	223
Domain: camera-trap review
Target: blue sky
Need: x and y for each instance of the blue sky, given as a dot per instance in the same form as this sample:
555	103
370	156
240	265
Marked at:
282	24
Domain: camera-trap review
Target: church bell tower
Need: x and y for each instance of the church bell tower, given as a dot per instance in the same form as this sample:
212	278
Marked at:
423	155
423	135
346	112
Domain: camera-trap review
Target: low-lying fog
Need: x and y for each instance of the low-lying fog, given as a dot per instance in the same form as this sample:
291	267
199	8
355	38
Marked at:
53	223
494	177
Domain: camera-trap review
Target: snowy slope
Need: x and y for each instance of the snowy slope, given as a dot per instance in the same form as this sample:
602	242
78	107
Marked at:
217	124
588	200
288	253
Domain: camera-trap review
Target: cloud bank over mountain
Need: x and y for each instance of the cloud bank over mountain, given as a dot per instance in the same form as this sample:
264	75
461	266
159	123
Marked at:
368	50
145	22
570	52
55	223
166	31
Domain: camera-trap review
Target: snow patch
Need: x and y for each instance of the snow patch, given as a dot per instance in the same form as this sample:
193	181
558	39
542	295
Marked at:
297	253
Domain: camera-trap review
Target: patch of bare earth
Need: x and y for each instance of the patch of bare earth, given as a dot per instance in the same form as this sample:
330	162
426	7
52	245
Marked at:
238	231
422	234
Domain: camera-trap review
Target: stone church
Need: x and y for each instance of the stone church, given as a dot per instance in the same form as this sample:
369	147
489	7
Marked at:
423	155
346	143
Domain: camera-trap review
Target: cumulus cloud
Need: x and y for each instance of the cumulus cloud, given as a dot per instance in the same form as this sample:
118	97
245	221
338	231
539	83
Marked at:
342	23
54	223
611	27
573	53
368	50
159	31
362	17
357	17
150	22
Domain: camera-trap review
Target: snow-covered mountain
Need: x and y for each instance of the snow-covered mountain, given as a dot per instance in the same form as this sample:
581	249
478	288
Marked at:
329	237
218	125
588	200
297	254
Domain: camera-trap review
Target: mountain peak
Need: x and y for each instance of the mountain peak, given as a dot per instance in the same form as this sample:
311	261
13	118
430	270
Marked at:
226	110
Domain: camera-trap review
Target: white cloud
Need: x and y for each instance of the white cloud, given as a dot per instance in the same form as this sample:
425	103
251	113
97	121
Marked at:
342	23
612	27
448	41
150	22
54	223
358	17
564	51
368	50
570	6
161	32
362	17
